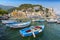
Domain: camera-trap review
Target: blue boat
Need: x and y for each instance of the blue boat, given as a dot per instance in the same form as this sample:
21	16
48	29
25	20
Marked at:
28	31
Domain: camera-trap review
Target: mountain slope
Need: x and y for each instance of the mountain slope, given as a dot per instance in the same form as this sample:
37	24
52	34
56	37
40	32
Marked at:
5	7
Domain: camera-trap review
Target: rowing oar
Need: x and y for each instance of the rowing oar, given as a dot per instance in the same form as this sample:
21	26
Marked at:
33	33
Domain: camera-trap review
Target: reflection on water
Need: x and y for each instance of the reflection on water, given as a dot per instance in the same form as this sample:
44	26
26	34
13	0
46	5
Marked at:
51	32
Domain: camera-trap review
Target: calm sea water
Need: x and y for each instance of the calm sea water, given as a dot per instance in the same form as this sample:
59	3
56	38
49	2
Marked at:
51	32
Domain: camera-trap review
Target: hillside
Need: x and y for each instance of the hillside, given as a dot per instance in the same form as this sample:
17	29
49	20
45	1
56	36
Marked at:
6	7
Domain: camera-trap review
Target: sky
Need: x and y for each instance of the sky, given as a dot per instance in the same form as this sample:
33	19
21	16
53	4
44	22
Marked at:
55	4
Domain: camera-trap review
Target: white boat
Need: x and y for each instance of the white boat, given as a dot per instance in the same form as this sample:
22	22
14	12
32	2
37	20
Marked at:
8	21
58	20
19	25
52	20
41	20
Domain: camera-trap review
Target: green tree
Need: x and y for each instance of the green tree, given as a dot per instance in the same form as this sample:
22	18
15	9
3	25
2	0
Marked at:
10	10
47	13
25	6
3	12
47	10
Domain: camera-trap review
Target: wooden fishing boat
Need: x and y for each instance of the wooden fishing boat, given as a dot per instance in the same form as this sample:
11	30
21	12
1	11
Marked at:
58	20
31	30
8	21
42	20
19	25
52	20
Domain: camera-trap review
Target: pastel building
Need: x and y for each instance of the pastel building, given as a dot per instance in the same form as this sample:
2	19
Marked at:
51	13
18	14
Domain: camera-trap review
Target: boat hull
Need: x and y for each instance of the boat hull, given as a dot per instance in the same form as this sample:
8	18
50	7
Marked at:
39	20
25	34
8	21
19	25
58	22
52	21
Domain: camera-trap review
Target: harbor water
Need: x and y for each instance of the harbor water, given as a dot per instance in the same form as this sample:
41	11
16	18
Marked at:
51	32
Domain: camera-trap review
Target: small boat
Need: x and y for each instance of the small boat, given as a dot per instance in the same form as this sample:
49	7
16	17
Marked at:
42	20
19	25
52	20
31	30
1	17
8	21
58	20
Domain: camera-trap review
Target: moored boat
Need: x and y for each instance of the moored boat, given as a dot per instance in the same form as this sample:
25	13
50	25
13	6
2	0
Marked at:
51	20
31	30
19	25
41	20
58	20
8	21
